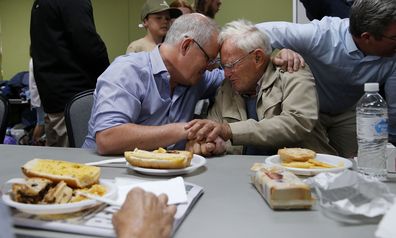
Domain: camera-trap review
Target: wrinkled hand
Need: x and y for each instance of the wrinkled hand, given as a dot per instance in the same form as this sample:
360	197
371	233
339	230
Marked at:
144	215
288	60
207	130
216	147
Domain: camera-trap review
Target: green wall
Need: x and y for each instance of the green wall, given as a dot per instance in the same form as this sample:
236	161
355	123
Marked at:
14	19
117	23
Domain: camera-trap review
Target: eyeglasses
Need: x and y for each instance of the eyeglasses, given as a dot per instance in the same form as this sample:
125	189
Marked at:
232	65
208	60
389	38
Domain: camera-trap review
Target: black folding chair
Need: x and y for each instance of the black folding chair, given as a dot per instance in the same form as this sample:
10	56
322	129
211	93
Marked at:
77	114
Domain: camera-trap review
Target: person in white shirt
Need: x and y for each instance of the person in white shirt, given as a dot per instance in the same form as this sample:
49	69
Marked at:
35	103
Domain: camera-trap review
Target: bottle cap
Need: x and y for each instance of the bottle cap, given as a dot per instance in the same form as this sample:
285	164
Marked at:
371	87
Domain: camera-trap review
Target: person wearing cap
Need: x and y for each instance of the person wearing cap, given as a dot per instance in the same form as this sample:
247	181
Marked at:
144	100
156	16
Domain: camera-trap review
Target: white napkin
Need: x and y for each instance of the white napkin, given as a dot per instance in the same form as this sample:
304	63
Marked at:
387	228
174	188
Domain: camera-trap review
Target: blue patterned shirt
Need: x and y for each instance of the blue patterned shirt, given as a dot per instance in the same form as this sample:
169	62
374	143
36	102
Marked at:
135	89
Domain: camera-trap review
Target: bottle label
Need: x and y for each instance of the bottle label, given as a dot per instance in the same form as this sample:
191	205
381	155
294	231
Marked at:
375	127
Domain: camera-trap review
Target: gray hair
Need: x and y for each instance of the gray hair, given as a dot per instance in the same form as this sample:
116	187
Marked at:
245	36
194	25
372	16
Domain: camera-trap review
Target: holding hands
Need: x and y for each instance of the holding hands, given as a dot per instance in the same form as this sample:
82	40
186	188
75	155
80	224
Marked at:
206	148
207	137
207	130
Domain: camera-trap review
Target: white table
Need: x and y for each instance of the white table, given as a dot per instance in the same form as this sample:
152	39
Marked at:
229	207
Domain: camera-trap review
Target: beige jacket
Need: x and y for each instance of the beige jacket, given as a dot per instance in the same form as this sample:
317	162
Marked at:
287	110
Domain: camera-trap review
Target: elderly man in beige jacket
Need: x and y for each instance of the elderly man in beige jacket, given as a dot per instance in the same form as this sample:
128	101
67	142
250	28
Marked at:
259	108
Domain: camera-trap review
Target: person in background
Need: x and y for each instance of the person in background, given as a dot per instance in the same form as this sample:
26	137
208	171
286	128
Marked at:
343	55
156	16
207	7
144	100
144	215
35	103
68	56
259	107
317	9
183	6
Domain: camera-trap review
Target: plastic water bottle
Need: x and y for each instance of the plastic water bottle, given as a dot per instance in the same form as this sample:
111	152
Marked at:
372	132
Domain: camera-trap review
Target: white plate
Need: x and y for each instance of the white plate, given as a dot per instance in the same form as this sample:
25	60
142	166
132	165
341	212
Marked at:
196	162
330	159
61	208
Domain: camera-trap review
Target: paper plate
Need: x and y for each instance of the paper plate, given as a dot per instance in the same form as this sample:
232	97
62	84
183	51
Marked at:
196	162
341	162
61	208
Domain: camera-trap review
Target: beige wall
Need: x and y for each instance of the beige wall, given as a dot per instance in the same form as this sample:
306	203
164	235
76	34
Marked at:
117	23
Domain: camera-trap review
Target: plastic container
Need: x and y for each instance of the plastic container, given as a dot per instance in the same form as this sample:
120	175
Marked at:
372	132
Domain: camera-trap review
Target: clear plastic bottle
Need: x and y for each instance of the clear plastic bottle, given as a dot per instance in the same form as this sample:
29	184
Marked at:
372	132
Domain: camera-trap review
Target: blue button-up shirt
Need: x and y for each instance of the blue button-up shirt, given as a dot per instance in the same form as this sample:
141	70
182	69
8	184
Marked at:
136	89
339	67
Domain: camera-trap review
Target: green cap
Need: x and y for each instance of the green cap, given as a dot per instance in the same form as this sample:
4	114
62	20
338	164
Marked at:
155	6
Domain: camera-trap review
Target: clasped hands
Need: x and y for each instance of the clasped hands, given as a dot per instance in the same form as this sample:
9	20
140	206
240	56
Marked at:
207	137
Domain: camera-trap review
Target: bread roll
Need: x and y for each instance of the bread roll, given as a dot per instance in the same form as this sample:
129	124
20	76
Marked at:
296	154
75	175
159	159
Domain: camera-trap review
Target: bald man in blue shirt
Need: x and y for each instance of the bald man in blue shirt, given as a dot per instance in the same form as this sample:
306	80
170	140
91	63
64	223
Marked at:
143	100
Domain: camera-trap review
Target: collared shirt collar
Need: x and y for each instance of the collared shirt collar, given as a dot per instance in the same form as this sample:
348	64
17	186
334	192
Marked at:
350	44
352	48
266	80
158	65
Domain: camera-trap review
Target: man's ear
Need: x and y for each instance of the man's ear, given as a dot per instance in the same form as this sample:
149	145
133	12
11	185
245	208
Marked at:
259	56
145	22
185	45
365	36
